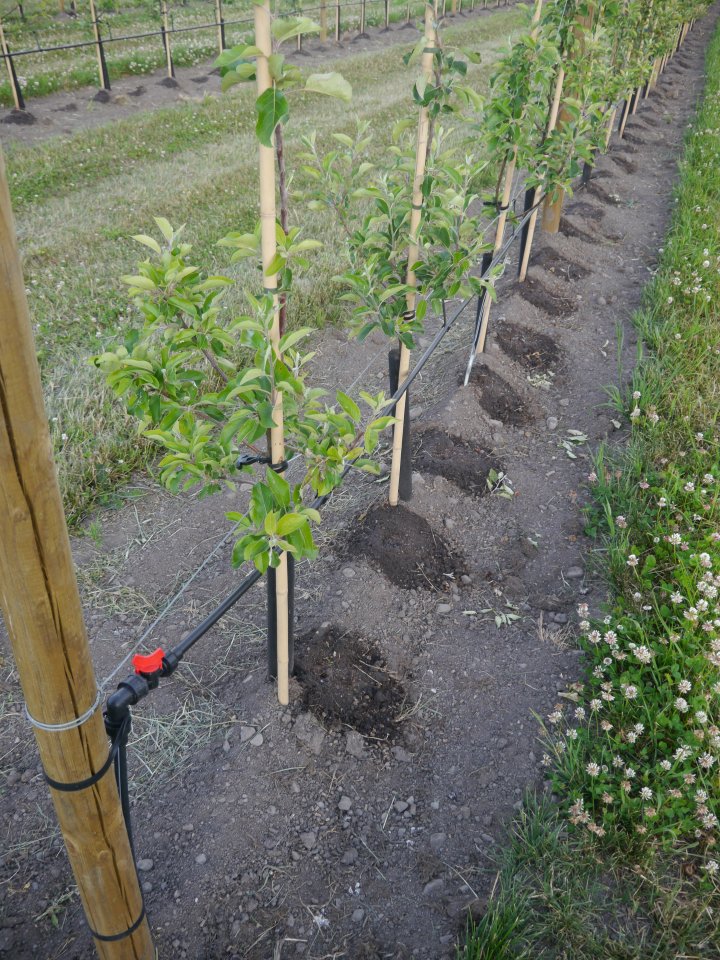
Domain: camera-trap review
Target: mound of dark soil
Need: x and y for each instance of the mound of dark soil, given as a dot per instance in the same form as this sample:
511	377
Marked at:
549	259
464	464
531	349
588	211
536	293
405	548
345	681
498	399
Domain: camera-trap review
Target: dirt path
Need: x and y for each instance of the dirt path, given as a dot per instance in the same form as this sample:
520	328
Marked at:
67	113
362	821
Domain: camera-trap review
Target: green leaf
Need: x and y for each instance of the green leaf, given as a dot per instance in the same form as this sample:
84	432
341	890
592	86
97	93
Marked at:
330	84
289	523
165	228
272	109
290	27
349	406
148	241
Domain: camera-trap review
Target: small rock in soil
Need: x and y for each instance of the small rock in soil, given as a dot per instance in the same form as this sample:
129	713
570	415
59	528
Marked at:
345	804
434	889
201	858
574	573
145	864
308	839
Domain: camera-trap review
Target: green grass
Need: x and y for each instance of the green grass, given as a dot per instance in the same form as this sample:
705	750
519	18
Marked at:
44	73
79	200
628	865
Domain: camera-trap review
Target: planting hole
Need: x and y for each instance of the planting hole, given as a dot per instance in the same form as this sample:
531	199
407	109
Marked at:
531	349
345	681
539	296
405	548
464	464
588	211
498	399
549	259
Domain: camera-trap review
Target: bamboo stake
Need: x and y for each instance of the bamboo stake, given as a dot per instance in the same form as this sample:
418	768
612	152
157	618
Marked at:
268	219
43	615
99	51
610	124
12	76
421	152
220	25
323	21
166	39
504	204
532	222
553	205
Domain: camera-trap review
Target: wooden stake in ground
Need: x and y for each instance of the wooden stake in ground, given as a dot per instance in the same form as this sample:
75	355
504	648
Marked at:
166	40
532	222
41	608
323	21
553	205
12	76
220	25
415	217
99	49
511	163
268	218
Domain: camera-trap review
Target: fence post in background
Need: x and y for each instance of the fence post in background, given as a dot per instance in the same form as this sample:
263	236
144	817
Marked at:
220	25
165	31
12	76
99	49
43	616
337	21
387	15
323	21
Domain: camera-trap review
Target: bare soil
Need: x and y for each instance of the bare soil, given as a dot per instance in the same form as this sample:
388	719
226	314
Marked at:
363	820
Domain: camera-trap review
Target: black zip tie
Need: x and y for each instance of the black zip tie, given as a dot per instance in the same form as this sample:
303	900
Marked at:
119	936
418	206
96	777
249	459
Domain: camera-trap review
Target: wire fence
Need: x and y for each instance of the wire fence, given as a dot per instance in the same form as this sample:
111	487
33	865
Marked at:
338	18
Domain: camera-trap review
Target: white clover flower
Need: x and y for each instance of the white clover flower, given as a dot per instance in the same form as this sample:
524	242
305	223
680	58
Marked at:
646	793
630	773
592	769
689	487
630	691
621	522
632	560
644	654
666	765
675	538
706	761
681	704
684	686
712	867
594	636
635	413
701	716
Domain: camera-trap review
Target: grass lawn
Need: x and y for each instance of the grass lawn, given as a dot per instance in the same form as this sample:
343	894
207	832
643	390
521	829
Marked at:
78	201
628	866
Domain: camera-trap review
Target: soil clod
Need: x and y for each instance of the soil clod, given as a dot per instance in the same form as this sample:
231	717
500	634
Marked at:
536	293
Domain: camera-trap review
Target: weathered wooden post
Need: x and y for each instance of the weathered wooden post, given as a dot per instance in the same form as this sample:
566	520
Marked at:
41	607
323	21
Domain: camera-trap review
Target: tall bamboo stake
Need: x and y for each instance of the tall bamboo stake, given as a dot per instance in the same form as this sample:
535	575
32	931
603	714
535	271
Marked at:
166	39
532	222
413	246
553	205
99	50
323	21
12	76
220	25
504	203
41	607
268	218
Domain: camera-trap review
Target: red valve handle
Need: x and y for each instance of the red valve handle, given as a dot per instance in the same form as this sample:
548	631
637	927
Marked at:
148	662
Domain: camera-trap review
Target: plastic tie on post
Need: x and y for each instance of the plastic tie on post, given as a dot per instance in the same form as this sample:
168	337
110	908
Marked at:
249	459
119	936
96	777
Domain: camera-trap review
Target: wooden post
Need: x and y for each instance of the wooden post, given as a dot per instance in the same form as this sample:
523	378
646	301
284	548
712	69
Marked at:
219	20
99	49
337	21
453	8
553	205
268	221
415	217
18	99
504	204
532	222
323	21
166	39
41	607
362	19
610	124
387	14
